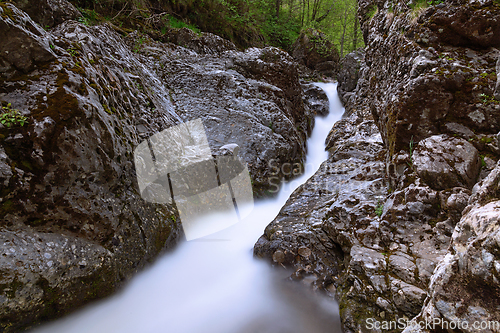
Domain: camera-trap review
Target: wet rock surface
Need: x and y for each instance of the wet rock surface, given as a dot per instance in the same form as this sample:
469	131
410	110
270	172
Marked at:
73	225
349	74
48	13
316	99
422	122
445	162
429	81
497	88
465	286
24	44
252	98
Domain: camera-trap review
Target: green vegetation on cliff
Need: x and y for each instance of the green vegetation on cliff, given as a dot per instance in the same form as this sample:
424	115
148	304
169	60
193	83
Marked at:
244	22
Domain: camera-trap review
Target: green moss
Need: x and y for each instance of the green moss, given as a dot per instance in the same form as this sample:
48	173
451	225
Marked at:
27	165
61	104
6	11
9	289
486	139
483	163
106	108
372	11
6	207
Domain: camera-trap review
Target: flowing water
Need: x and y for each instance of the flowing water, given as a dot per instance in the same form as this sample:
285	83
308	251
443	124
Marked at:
214	284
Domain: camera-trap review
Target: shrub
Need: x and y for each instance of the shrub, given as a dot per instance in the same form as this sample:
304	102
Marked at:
11	117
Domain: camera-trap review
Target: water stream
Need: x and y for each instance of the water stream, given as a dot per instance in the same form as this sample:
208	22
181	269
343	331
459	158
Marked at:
214	284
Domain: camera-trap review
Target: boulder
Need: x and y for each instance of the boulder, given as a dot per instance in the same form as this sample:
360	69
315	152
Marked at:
471	24
349	73
423	76
251	98
464	287
48	13
444	162
24	44
204	43
74	224
312	48
380	247
316	99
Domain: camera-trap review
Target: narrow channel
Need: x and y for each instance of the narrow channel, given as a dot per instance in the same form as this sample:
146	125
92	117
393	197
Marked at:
214	284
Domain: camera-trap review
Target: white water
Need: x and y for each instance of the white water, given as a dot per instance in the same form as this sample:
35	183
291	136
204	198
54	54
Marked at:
214	284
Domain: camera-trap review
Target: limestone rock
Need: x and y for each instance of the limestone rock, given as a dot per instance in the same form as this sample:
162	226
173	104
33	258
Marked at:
464	286
312	48
315	98
48	13
444	162
205	43
24	44
67	177
349	73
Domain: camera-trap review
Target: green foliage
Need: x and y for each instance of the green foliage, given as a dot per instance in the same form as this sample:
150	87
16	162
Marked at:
281	33
11	117
175	23
372	11
138	44
484	98
89	16
411	147
245	22
486	139
483	163
73	51
488	99
379	209
421	4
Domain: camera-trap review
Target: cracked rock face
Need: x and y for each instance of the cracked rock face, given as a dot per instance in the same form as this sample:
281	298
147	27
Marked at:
74	225
425	246
431	67
24	43
465	285
48	13
445	162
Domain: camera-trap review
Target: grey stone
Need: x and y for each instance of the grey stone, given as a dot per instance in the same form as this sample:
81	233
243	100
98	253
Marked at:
69	172
444	162
349	73
48	13
24	44
315	98
402	267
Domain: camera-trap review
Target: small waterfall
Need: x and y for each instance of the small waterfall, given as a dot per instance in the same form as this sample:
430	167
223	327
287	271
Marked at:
214	284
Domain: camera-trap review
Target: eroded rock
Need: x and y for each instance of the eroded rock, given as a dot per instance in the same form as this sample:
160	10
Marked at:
24	44
67	176
315	51
48	13
465	287
444	162
349	73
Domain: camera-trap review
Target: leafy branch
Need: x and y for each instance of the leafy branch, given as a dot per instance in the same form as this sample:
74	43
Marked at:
11	117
